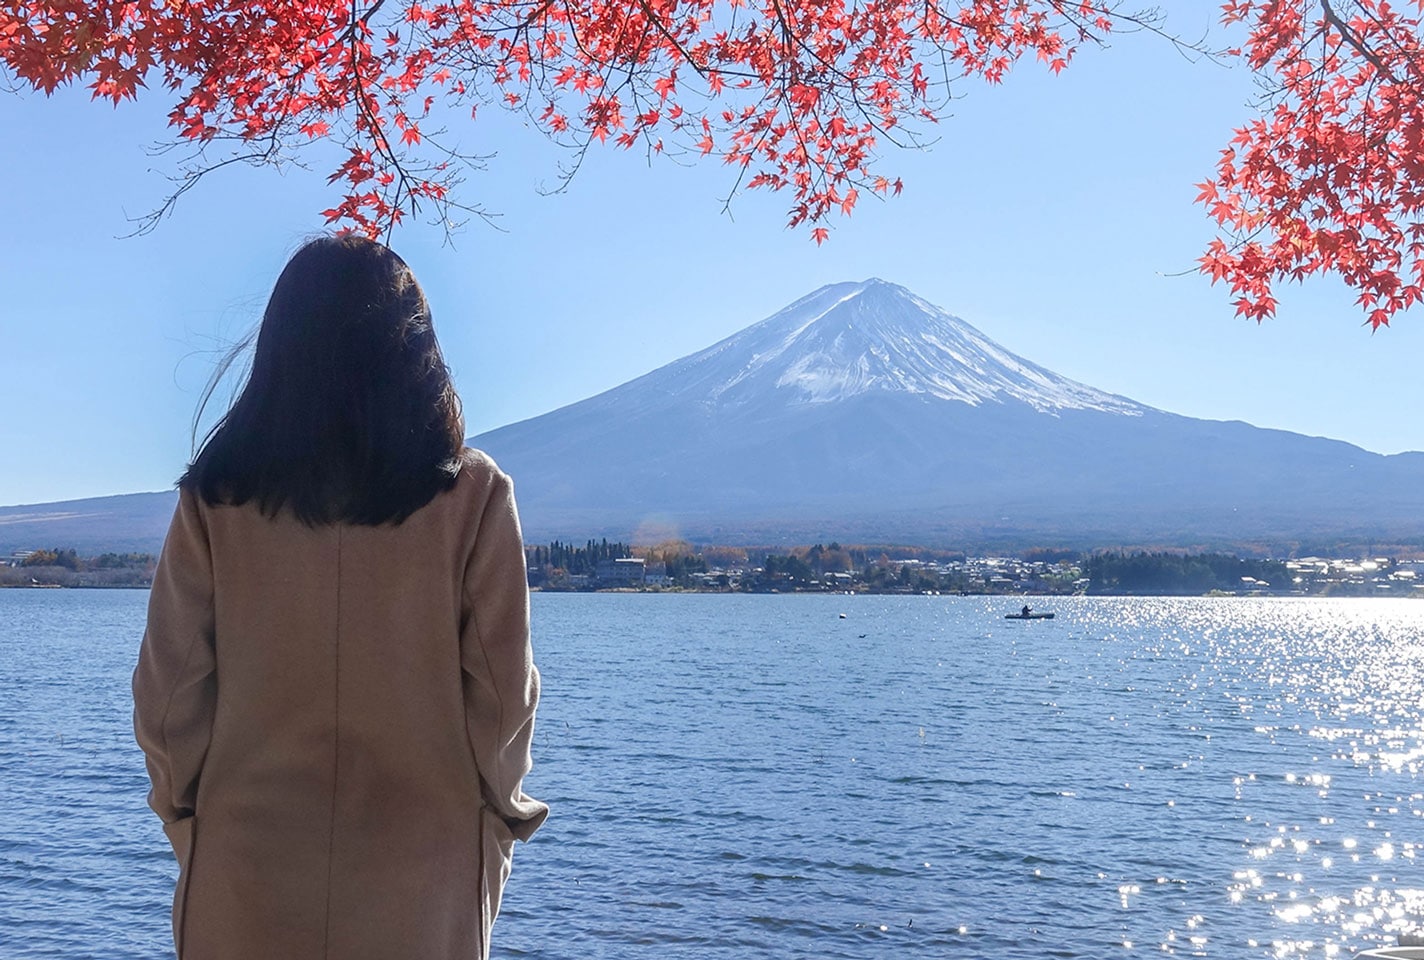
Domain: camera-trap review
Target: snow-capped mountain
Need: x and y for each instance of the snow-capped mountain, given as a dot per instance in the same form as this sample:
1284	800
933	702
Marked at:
862	411
850	339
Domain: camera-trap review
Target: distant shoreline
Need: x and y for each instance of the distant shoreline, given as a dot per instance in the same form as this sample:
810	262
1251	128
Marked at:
680	567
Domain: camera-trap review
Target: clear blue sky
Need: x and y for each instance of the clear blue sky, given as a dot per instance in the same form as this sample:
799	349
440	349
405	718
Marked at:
1052	215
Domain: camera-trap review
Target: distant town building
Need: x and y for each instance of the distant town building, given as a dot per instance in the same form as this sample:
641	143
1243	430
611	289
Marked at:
623	572
656	575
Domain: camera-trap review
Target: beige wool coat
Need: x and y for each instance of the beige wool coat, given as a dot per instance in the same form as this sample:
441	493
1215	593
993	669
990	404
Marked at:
337	723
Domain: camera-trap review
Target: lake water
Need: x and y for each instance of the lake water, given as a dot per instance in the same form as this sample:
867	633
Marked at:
756	776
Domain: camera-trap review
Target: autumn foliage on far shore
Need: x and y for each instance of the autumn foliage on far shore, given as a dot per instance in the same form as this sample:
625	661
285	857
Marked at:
799	96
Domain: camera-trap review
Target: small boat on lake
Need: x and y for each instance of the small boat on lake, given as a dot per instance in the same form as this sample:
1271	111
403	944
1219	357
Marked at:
1028	615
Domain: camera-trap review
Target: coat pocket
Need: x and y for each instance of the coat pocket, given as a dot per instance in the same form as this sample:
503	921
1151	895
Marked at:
180	836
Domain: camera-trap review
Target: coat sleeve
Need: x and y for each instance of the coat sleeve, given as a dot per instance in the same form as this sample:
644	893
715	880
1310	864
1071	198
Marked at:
501	684
175	683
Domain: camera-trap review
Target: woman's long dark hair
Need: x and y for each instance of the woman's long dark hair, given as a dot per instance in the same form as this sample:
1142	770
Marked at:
348	414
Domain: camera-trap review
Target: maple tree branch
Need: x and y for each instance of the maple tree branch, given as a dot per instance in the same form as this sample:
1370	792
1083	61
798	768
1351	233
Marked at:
667	35
372	122
345	37
356	22
190	179
787	41
449	226
538	12
1385	29
1355	41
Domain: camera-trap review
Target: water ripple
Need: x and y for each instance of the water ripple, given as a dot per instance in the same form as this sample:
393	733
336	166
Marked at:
749	777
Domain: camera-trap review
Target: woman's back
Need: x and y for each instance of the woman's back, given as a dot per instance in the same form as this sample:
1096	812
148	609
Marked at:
314	619
363	691
337	715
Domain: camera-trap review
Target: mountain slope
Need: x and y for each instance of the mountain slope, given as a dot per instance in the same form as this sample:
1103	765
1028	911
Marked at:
130	523
862	411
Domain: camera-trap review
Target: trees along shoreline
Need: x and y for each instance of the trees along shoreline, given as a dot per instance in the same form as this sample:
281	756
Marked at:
677	566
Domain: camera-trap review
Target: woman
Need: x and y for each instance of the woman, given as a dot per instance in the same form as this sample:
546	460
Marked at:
336	692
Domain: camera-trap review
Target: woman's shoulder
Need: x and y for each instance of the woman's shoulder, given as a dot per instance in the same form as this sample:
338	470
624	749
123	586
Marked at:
480	470
483	493
481	482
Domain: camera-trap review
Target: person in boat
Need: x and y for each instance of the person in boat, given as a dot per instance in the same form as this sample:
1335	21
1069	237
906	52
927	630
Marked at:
1026	611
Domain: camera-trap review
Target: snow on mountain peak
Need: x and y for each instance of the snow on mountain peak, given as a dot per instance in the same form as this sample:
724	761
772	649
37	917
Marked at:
849	339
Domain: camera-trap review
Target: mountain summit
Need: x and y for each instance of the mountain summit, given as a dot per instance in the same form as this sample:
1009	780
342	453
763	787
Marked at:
863	412
850	339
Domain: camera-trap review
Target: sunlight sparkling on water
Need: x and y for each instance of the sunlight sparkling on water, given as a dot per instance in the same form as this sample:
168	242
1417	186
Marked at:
1343	681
